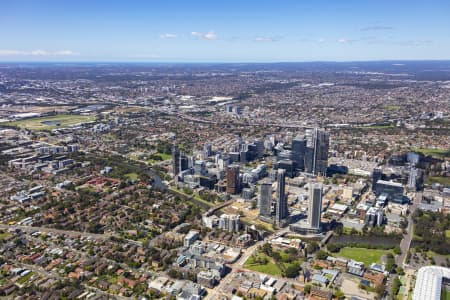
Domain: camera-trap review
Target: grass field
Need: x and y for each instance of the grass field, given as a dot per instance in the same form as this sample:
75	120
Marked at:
434	152
4	236
377	127
270	268
445	294
447	234
165	156
392	107
438	179
367	256
132	176
58	120
25	278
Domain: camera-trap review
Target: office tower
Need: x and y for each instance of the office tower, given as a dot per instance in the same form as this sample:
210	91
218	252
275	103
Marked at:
309	156
377	174
176	160
321	142
315	205
233	184
265	199
298	152
184	162
207	150
259	148
282	209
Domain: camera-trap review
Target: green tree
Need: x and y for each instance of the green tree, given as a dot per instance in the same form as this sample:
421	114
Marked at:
322	255
292	270
307	289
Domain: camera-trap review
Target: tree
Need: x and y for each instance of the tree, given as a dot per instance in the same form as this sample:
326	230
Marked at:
307	289
333	248
292	270
276	256
267	249
312	247
397	250
400	271
322	255
339	230
396	286
339	294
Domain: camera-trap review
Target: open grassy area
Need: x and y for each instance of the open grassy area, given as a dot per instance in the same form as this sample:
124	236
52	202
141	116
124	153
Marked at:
25	278
438	179
54	122
195	197
269	268
4	236
445	294
447	234
367	256
377	127
434	152
165	156
3	281
132	176
392	107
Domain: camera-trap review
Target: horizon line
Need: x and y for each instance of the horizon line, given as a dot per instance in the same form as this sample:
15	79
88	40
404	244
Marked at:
220	62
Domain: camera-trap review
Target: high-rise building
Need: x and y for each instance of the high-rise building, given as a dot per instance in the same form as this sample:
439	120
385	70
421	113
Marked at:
377	174
320	156
176	159
229	223
233	183
315	205
259	148
298	152
207	150
184	162
265	199
281	209
309	156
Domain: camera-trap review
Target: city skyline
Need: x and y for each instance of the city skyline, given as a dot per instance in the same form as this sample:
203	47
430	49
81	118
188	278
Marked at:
262	31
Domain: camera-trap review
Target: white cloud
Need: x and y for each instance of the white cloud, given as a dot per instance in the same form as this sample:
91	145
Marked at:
345	41
168	35
210	35
264	39
38	52
377	28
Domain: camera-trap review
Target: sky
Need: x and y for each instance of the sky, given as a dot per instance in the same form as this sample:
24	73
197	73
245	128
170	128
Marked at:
224	31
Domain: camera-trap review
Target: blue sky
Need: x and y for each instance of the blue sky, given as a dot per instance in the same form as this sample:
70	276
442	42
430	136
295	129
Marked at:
224	31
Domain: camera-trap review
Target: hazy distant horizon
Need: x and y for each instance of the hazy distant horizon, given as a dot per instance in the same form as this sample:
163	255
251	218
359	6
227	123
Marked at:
227	62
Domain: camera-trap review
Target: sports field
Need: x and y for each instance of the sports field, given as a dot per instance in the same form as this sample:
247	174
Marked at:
434	152
51	122
367	256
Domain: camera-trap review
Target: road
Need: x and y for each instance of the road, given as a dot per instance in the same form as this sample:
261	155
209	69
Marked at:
406	241
74	234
